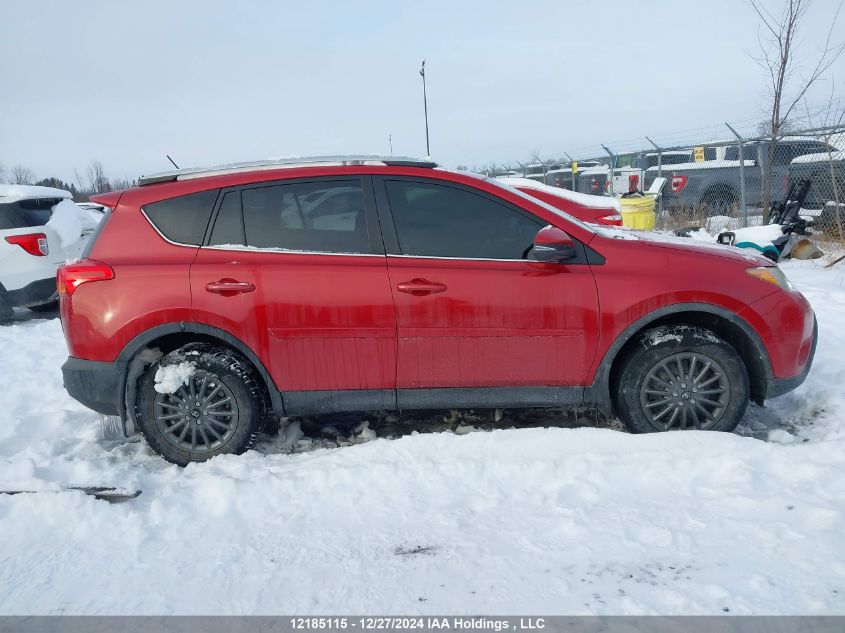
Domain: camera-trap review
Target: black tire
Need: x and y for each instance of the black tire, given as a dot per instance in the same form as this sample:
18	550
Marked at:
52	306
6	311
669	378
230	413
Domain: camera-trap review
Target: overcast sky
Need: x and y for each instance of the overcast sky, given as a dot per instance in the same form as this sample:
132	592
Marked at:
219	81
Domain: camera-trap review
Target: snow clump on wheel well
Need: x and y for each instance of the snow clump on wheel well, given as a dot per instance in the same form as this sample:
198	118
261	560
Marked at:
169	378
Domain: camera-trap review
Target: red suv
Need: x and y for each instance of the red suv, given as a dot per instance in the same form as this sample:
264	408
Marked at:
210	301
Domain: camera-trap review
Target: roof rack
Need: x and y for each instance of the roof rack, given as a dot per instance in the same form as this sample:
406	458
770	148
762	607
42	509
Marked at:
282	163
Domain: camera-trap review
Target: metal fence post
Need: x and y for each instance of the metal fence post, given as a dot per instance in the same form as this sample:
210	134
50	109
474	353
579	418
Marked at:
742	203
659	175
571	173
613	158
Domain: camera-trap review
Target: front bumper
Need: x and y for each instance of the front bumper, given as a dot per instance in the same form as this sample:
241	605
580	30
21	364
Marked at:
779	386
95	384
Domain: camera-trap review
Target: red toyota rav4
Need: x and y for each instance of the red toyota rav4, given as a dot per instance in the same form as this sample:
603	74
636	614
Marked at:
212	300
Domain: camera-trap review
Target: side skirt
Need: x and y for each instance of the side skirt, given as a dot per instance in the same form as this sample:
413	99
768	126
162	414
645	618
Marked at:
317	402
489	397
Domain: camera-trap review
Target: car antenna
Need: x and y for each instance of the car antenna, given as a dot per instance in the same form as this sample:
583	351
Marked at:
172	161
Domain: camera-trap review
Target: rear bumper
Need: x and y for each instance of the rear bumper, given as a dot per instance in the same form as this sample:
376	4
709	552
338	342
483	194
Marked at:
95	384
779	386
33	294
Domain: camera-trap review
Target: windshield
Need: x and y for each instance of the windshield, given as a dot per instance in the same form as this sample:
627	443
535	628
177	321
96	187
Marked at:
548	207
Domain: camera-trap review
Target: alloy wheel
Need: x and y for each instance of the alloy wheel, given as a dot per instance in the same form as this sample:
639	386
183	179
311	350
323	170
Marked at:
685	390
200	416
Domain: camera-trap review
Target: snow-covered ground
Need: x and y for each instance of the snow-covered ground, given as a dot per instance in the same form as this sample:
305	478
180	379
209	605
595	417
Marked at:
510	521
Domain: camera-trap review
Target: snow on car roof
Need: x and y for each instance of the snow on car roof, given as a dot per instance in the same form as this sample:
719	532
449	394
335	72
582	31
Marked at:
584	199
13	193
820	157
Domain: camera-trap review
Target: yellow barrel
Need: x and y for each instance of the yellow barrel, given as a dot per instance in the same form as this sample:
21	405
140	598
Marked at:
638	211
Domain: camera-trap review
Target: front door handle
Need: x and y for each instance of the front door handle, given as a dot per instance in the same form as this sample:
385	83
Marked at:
421	287
229	287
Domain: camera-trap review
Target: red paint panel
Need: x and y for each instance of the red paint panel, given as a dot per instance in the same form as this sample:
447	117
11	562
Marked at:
150	287
317	322
785	323
496	324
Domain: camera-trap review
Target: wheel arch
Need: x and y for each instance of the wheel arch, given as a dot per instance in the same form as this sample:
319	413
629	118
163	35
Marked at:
719	190
170	336
726	324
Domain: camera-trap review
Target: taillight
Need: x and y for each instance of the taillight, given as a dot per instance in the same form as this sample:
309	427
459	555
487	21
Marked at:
71	276
633	182
32	243
612	220
678	183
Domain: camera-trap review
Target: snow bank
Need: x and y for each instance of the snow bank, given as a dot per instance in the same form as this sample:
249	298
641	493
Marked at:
169	378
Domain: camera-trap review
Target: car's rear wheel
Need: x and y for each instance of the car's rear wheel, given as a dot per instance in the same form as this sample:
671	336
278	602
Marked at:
681	377
200	401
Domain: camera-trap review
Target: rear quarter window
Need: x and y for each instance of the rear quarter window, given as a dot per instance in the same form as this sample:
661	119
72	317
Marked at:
183	219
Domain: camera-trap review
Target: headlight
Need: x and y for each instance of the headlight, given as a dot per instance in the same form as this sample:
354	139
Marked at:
772	275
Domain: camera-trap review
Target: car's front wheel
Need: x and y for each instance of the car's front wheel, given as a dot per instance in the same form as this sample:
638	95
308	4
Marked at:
200	401
680	377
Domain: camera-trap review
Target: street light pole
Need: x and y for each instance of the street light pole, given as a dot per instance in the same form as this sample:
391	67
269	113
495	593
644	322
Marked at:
425	107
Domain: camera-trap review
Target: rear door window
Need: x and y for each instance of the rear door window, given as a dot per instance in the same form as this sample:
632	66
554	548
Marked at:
324	217
183	219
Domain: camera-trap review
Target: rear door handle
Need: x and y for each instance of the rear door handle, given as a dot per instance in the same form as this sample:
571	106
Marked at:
421	287
229	287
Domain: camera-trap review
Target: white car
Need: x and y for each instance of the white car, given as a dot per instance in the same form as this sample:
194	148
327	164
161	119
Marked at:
40	228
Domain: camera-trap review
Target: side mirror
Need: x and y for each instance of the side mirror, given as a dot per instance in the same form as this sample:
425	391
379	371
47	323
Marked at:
553	245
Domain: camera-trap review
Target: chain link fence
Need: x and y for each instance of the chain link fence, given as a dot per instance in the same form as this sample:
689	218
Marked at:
726	183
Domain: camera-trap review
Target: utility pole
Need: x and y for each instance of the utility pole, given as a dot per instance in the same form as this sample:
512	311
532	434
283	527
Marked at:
425	108
390	142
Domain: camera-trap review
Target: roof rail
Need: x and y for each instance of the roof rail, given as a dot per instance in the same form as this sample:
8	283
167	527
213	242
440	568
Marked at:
282	163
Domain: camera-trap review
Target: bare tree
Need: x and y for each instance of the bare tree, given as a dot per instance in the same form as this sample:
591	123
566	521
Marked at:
97	181
119	184
22	175
2	172
789	78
